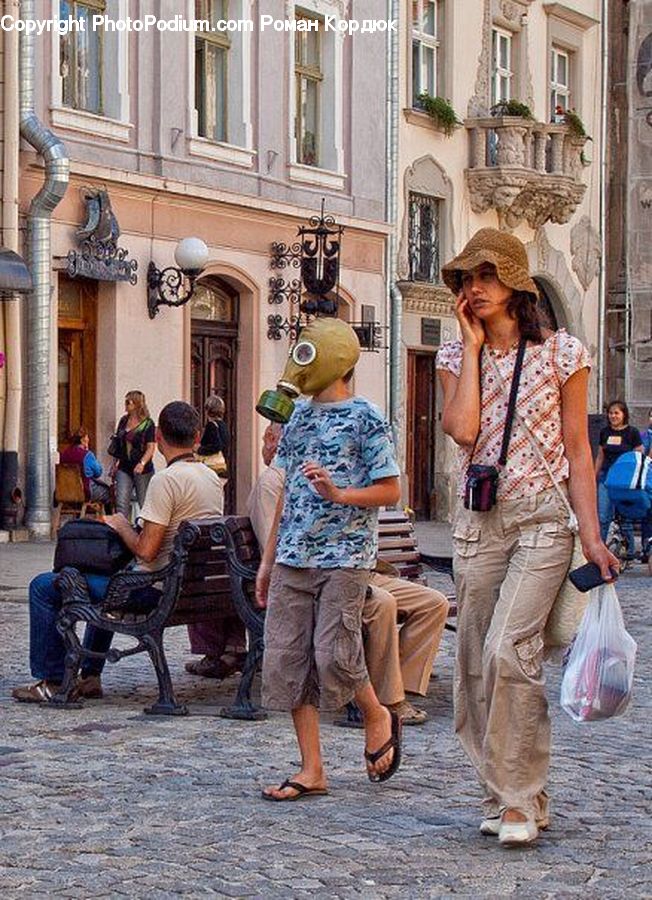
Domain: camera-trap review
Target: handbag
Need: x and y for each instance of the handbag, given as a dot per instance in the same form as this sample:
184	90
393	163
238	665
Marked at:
91	547
567	610
481	485
216	462
114	446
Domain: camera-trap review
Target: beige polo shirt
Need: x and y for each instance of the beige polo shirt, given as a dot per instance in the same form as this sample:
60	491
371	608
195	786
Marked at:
184	490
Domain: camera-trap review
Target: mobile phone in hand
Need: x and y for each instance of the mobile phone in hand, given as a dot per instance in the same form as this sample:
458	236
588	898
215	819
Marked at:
588	576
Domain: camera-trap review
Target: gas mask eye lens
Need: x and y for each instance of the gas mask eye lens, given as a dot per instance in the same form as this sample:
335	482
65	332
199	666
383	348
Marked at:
304	353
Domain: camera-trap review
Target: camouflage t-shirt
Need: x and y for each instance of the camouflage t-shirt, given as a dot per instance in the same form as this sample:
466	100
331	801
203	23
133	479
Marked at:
352	440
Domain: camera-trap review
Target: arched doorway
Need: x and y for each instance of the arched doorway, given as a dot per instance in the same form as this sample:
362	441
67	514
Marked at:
550	309
214	351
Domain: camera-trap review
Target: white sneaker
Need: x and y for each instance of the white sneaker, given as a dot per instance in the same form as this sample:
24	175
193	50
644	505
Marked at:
517	834
490	825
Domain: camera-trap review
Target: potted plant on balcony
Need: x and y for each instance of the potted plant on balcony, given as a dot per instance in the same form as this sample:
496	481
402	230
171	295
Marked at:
440	111
512	108
576	130
575	124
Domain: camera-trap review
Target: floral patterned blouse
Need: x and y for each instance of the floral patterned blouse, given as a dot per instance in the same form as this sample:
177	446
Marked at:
546	367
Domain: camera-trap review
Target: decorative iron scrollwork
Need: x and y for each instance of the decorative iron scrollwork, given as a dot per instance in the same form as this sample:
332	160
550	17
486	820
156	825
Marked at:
283	256
317	254
281	290
370	335
277	326
99	257
102	261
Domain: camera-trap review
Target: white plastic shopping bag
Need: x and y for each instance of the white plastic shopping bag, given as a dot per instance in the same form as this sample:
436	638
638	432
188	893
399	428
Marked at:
597	682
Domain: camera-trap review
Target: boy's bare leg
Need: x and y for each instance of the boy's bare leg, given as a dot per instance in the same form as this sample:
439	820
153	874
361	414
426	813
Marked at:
377	726
311	774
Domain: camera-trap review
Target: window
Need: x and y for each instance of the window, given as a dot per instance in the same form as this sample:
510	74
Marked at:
308	78
560	94
425	46
81	57
211	63
501	66
424	238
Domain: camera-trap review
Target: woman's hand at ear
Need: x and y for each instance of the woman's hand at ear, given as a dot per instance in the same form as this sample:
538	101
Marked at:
473	334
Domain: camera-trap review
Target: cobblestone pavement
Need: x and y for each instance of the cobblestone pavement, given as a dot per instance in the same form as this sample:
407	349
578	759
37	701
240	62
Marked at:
103	801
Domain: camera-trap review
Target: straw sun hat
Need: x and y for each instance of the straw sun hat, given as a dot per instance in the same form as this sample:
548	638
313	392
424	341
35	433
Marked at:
499	248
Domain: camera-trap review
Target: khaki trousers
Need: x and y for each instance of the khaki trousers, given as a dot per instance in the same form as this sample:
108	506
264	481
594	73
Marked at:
509	564
401	660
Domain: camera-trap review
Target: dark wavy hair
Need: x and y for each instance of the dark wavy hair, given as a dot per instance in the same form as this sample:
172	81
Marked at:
522	306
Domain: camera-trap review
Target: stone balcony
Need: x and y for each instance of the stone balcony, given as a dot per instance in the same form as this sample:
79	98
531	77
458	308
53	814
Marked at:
525	170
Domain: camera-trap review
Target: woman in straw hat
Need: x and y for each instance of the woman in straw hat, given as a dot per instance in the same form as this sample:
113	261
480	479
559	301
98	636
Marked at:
512	555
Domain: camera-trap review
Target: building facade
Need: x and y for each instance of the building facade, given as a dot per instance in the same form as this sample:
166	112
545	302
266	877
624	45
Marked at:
629	259
233	137
514	159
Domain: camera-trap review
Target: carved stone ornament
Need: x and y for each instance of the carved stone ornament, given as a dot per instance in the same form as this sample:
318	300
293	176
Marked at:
517	195
510	10
586	251
526	171
480	101
427	299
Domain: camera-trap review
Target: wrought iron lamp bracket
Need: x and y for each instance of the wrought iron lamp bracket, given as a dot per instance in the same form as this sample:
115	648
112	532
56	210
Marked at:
169	287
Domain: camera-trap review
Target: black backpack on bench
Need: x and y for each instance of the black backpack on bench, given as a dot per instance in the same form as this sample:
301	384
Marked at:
91	547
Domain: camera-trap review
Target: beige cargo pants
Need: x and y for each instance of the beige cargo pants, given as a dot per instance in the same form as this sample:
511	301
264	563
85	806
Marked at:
509	564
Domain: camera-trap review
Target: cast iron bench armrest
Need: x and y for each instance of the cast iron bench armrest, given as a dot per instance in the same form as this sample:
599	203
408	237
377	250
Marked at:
241	573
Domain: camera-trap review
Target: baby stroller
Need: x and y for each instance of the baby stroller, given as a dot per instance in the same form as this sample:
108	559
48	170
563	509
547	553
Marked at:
629	485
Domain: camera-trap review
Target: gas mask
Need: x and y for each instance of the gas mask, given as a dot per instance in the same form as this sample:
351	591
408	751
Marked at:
326	350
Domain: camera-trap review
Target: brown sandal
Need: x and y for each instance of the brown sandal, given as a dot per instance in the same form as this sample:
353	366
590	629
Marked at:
41	692
210	667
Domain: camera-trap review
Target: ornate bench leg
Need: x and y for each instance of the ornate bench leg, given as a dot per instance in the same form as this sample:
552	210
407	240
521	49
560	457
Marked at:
166	705
66	628
243	708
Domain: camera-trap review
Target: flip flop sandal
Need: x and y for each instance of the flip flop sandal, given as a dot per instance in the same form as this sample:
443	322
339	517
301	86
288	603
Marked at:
301	792
394	743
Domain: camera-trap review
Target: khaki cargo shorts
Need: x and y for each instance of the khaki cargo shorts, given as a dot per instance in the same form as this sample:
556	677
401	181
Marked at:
313	640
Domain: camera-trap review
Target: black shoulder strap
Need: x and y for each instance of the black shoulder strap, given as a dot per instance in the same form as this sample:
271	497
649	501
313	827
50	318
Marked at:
511	405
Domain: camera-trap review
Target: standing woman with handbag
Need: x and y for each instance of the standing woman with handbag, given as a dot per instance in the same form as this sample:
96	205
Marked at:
214	445
512	543
133	446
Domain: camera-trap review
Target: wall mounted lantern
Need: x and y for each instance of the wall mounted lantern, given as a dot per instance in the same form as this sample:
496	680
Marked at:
175	285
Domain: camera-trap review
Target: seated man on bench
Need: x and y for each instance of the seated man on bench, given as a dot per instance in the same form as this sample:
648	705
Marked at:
186	489
397	662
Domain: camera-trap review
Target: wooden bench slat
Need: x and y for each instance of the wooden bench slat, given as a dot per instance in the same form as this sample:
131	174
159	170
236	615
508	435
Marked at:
392	557
396	543
404	528
210	569
219	585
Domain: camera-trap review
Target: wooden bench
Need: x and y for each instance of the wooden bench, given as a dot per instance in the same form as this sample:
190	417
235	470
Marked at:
209	574
397	545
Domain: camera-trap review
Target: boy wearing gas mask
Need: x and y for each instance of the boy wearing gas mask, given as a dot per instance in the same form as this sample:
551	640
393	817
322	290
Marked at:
339	465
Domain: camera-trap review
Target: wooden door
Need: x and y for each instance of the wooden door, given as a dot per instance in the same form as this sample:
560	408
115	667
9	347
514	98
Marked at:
420	432
214	356
76	384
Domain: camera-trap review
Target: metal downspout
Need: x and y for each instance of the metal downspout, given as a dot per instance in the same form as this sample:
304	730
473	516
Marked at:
604	187
37	407
394	299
